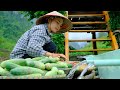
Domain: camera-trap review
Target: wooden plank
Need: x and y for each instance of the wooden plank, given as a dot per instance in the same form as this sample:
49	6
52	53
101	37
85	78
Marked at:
66	46
90	40
109	49
84	12
114	43
85	15
66	42
88	30
106	16
107	19
89	22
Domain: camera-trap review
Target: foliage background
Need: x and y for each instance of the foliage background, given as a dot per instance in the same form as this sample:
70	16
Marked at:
114	20
12	26
114	23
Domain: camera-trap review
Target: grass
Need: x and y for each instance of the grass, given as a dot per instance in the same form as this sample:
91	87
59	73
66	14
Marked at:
5	48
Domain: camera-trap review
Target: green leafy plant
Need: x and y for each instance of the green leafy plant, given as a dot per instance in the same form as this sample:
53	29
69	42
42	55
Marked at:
58	39
114	20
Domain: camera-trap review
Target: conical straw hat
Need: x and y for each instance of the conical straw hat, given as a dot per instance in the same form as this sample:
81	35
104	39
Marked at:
66	26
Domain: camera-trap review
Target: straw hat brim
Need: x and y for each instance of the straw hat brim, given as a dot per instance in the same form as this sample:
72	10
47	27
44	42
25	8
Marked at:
66	26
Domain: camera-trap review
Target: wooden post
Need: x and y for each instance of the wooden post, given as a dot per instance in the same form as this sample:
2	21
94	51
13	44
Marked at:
66	46
67	43
114	43
94	43
106	16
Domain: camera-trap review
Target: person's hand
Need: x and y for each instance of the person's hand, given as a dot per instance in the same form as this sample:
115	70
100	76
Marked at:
63	56
56	55
59	55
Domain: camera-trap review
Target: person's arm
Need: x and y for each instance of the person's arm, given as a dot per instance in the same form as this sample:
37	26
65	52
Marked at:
35	49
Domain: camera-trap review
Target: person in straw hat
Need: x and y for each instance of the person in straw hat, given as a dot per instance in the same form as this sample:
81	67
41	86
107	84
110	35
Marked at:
37	42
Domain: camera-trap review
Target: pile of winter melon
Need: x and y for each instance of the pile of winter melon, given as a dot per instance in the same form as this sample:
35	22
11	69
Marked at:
35	68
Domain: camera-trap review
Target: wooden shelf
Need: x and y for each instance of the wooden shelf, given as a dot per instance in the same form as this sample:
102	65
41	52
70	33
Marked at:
88	22
89	30
109	49
85	15
90	40
84	12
